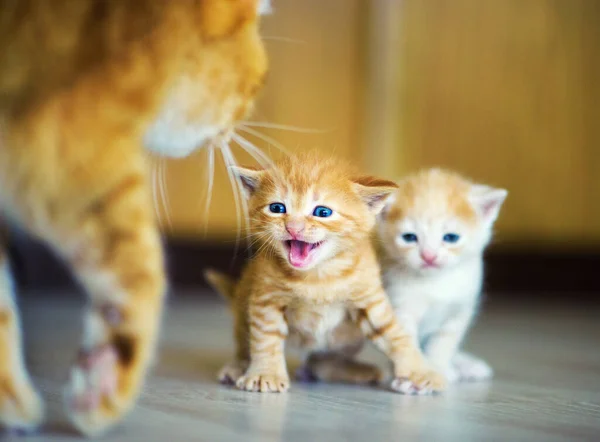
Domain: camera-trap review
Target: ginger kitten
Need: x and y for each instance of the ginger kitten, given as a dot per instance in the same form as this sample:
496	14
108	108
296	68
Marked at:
433	232
315	281
85	85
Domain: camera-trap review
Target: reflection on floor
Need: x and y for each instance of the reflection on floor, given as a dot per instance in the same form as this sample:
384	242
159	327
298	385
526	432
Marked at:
547	384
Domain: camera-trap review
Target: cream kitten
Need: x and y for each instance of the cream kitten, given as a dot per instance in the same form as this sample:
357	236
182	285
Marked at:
433	233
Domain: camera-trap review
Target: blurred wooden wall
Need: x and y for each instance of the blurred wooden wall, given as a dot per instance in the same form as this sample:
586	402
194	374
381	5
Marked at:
504	91
314	82
508	93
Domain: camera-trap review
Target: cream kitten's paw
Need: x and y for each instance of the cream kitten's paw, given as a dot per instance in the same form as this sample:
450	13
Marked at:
21	408
231	372
419	383
264	383
469	368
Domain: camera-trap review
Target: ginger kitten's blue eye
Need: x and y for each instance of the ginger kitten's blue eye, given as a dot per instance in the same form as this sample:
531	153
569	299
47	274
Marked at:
451	237
277	208
409	237
322	212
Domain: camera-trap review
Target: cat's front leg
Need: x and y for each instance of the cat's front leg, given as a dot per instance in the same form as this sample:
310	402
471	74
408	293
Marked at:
442	347
116	252
267	371
378	321
21	408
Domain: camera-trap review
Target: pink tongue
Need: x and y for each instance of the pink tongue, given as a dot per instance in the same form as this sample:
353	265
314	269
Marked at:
299	252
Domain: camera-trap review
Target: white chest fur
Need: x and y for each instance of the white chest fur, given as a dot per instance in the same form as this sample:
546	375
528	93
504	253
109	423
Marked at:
426	301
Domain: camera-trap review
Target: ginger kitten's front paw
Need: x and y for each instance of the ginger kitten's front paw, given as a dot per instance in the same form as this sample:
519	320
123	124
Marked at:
419	383
21	408
264	382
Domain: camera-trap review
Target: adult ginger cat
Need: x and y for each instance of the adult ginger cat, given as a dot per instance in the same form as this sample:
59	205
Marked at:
315	281
84	85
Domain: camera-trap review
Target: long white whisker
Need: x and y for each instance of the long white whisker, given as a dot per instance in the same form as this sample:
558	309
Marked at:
163	193
254	151
155	193
240	202
282	39
264	137
268	125
211	179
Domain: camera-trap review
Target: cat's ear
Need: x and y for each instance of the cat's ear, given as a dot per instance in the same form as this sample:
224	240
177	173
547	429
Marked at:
487	201
249	177
374	191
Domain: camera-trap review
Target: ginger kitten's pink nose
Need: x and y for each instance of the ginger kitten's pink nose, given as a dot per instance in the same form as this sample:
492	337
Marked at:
429	257
294	228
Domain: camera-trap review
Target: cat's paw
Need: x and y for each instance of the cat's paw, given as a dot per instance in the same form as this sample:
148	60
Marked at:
264	383
469	368
91	397
21	408
231	372
419	383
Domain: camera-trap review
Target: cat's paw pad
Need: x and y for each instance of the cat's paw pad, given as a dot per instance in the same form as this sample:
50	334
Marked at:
419	383
473	370
305	374
91	397
264	383
21	409
231	372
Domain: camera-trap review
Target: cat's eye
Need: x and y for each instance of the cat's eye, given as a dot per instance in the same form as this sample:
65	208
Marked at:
451	238
277	208
409	237
322	212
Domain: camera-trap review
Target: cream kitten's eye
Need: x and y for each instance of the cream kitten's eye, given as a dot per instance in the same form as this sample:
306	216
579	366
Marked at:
277	208
322	212
409	237
451	238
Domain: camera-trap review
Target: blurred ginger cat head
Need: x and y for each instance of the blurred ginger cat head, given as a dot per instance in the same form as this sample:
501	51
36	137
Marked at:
437	219
186	71
308	209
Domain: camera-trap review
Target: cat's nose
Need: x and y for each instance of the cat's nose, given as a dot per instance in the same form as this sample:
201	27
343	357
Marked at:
294	228
428	256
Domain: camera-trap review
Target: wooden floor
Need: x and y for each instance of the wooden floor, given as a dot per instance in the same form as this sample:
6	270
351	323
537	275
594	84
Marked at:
547	386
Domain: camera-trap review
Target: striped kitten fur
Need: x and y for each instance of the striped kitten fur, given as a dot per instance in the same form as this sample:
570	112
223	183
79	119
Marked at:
315	281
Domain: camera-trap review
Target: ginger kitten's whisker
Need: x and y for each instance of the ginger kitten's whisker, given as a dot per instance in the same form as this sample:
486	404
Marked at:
268	125
254	151
265	138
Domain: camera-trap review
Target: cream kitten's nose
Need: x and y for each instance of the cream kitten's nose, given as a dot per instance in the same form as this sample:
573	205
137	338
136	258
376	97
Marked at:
294	228
428	256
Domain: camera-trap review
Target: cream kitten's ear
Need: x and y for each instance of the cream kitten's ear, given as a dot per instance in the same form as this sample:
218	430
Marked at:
487	201
249	177
374	191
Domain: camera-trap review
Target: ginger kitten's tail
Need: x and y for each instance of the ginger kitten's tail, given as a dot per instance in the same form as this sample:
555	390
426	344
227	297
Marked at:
222	283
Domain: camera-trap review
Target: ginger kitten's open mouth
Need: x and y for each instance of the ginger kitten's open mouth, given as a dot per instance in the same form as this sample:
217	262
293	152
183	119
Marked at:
300	253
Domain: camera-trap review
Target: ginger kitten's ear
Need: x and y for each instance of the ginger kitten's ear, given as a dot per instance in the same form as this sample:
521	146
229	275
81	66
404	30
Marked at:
249	177
373	191
487	201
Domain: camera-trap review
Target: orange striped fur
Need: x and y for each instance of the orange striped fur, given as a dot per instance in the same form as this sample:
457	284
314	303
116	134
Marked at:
325	302
84	86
